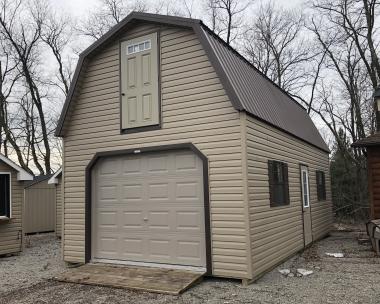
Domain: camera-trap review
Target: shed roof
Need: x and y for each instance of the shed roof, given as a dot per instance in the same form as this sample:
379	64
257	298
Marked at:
36	180
248	89
54	178
371	140
22	174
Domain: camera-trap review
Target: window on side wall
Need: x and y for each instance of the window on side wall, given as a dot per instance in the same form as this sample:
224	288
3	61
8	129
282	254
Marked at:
278	183
5	195
321	185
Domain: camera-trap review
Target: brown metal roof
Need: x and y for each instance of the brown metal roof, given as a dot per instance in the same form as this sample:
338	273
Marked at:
248	89
372	140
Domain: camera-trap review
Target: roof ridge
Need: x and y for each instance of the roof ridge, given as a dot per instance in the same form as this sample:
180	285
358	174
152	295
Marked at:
118	26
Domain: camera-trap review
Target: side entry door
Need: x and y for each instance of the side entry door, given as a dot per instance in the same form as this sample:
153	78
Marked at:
307	225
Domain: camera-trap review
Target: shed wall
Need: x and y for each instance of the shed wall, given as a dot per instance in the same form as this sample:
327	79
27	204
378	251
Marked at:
277	232
195	108
39	215
11	235
373	158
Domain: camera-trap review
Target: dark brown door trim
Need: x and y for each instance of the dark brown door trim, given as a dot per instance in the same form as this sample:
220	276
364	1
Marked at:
184	146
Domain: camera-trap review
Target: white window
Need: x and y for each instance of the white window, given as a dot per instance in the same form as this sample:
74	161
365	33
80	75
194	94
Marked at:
305	187
5	195
139	47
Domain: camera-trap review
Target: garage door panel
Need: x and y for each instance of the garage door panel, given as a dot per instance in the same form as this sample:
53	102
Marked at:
158	220
131	166
159	249
133	220
149	208
132	248
187	162
189	250
107	219
158	191
108	168
158	165
132	192
107	246
190	221
188	190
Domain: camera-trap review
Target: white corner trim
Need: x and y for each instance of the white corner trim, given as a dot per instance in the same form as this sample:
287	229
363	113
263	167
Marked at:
22	175
54	178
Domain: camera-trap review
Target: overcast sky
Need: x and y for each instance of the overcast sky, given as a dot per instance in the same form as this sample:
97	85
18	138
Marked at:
81	7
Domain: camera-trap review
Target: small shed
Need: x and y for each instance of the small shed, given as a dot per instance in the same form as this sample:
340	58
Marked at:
56	180
372	147
12	179
39	206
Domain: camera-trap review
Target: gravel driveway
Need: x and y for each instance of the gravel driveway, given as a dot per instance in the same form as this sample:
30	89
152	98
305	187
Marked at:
40	260
352	279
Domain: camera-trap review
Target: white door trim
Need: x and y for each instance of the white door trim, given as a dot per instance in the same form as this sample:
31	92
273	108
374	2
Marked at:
305	192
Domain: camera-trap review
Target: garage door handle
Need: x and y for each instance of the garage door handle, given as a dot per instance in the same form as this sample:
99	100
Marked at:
145	219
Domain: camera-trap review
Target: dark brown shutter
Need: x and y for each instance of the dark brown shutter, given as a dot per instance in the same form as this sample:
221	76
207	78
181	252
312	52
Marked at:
5	195
323	186
286	183
271	180
318	186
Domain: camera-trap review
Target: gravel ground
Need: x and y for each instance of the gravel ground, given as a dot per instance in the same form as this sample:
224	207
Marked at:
352	279
40	260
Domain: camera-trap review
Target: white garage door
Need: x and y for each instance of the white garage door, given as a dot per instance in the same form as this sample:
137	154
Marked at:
149	208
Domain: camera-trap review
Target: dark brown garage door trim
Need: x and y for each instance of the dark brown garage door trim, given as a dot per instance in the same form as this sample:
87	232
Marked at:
184	146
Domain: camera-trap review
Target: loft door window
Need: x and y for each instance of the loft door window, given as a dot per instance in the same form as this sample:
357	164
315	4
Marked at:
5	195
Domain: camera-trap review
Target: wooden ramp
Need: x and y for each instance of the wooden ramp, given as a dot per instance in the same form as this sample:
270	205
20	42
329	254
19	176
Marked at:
152	279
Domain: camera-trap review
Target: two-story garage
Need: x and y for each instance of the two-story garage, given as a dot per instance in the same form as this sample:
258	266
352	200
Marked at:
178	152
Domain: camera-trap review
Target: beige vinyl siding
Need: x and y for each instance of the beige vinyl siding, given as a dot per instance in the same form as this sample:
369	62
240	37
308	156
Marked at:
11	231
40	209
195	108
277	232
58	207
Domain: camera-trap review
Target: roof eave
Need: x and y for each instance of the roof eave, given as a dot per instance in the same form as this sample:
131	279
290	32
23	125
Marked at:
22	175
54	178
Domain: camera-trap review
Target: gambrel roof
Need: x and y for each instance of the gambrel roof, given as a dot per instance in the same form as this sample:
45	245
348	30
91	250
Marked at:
247	88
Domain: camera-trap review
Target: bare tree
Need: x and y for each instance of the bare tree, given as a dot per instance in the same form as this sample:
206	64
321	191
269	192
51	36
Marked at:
227	17
9	76
189	8
24	39
342	89
108	14
56	33
275	43
30	32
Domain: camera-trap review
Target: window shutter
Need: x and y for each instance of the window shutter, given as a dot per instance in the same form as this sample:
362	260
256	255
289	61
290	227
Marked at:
318	177
286	183
5	195
271	180
323	186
